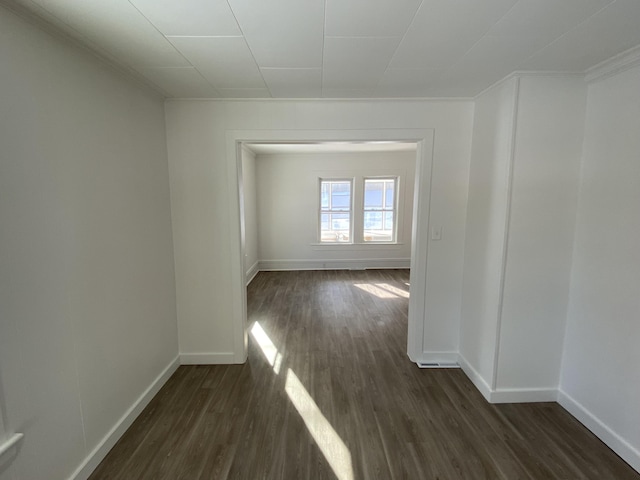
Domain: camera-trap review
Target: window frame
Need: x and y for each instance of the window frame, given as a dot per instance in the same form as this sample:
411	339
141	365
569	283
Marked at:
350	212
396	189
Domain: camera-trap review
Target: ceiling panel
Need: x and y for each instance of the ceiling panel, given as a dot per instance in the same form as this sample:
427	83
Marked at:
286	33
189	17
244	92
444	30
546	19
356	62
119	29
293	82
180	82
226	62
373	18
607	33
353	49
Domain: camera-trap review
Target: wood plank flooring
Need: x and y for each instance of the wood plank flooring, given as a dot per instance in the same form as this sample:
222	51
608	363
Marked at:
329	393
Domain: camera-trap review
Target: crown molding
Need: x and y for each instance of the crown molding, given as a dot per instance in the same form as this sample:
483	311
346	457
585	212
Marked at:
614	65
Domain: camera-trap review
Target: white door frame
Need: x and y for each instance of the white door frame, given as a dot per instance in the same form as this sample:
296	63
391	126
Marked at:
420	224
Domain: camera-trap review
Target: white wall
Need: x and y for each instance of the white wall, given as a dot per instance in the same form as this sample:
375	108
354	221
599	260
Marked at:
522	201
288	209
485	230
87	293
200	185
600	380
250	215
544	191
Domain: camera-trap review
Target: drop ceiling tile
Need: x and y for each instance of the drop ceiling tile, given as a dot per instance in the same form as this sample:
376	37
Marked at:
286	33
293	82
244	92
180	82
189	17
443	31
605	34
372	18
546	19
356	62
348	92
408	77
119	29
226	62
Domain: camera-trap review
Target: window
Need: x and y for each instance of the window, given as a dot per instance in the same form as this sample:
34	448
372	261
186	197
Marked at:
335	211
379	211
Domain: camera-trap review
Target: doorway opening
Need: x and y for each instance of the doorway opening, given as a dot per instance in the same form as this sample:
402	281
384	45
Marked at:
420	145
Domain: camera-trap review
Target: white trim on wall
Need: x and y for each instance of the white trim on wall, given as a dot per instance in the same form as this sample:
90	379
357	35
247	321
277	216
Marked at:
97	455
335	264
614	441
208	358
252	272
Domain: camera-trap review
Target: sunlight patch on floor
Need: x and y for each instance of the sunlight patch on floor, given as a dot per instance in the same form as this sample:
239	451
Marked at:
269	350
382	290
328	440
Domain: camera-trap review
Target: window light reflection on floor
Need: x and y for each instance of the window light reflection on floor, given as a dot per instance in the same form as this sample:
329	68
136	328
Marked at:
269	350
327	439
382	290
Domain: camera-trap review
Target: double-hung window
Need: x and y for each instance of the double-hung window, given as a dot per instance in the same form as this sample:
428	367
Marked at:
336	207
379	215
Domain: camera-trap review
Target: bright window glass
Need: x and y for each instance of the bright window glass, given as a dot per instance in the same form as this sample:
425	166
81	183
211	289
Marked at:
379	210
335	211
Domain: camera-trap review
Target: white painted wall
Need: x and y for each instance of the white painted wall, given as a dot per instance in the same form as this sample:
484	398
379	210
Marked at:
526	151
288	209
600	381
485	230
548	146
203	231
87	293
250	215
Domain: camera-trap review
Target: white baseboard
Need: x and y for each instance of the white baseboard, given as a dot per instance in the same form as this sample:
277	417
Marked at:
336	264
107	443
475	378
252	272
524	395
438	358
225	358
615	442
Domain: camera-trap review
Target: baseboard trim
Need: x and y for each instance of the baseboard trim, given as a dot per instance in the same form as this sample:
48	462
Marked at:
524	395
97	455
252	272
479	382
615	442
225	358
334	264
444	359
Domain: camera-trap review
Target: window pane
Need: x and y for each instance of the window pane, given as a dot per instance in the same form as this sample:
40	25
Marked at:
324	222
337	227
341	195
373	194
373	220
388	221
324	195
389	194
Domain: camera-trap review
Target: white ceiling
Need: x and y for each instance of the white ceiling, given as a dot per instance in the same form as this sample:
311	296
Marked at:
342	48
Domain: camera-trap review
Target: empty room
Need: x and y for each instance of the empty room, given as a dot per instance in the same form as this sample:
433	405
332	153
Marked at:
341	239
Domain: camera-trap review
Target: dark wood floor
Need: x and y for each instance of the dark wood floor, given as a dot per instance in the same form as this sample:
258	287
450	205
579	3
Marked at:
328	392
